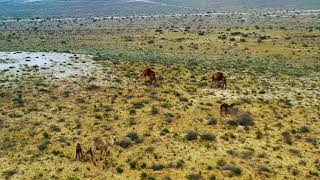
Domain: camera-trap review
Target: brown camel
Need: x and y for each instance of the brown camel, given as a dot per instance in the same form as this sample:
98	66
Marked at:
79	154
219	77
224	108
149	73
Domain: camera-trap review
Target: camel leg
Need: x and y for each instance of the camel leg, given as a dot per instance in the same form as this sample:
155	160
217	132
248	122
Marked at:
101	153
92	157
222	112
105	154
81	156
215	84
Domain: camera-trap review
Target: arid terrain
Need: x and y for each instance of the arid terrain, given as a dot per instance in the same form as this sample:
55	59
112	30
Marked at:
66	81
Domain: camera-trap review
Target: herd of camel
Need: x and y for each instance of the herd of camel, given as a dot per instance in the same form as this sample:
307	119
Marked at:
216	77
100	144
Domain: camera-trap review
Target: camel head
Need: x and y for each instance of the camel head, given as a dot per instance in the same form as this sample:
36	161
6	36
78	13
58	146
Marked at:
113	139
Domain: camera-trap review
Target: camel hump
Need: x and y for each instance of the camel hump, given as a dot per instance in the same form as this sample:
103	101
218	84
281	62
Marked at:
99	142
218	76
148	70
224	105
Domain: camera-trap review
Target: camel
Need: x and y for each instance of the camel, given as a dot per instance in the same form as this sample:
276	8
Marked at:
149	73
98	144
79	154
219	77
224	108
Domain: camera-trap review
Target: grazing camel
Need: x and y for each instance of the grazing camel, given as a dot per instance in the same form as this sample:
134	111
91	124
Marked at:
219	77
149	73
79	154
224	108
99	144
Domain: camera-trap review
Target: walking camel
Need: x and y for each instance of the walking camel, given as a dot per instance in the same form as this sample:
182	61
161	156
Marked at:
224	108
219	77
150	74
98	144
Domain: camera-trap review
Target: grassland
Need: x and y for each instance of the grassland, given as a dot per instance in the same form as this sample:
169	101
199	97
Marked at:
172	129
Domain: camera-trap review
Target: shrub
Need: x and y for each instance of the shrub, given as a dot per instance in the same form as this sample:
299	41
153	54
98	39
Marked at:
212	121
159	30
304	129
247	154
164	132
194	176
179	164
133	164
93	87
208	137
149	149
232	152
235	170
246	119
287	137
139	140
295	152
263	168
201	33
19	100
232	39
125	142
259	134
132	112
157	167
221	163
311	140
55	128
133	135
46	135
73	178
56	152
246	100
232	122
143	175
138	105
235	33
43	146
119	169
8	173
191	135
154	110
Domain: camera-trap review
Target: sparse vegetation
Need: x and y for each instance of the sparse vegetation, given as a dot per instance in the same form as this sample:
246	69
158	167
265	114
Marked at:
171	129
